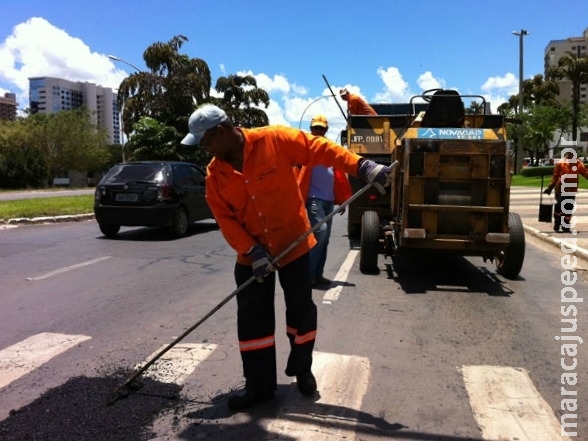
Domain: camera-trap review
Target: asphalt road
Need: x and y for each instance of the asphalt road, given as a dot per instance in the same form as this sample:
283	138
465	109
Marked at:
446	350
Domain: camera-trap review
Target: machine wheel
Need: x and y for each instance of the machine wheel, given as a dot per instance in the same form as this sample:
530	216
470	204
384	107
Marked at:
510	261
369	243
179	226
109	230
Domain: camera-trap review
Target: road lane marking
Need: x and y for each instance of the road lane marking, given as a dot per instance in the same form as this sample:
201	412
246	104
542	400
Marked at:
177	363
342	383
68	268
27	355
332	294
507	405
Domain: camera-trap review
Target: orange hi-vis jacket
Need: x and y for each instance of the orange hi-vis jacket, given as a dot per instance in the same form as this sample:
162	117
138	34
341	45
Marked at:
341	187
356	105
568	169
263	204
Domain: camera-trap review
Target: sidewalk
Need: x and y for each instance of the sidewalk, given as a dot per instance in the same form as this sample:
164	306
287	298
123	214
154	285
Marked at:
525	202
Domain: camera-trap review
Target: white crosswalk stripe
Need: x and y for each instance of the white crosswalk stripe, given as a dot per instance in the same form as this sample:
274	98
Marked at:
507	405
504	401
334	415
177	363
27	355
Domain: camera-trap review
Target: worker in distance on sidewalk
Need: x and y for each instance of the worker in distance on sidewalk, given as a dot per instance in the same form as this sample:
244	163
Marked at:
565	182
356	105
254	196
322	188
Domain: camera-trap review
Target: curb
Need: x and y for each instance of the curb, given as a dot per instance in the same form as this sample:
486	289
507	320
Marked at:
583	253
47	219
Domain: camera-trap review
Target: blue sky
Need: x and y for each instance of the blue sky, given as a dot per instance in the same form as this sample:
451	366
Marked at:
386	50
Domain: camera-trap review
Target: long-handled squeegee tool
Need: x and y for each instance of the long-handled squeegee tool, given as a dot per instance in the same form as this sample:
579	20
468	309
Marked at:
131	384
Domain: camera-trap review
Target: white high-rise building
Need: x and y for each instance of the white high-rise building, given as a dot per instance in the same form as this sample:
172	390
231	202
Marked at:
50	95
555	50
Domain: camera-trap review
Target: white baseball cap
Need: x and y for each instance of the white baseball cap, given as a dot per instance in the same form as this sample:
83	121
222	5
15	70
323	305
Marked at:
205	117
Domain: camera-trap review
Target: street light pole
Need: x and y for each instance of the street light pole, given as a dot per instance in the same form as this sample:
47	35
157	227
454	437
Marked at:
519	153
318	99
115	58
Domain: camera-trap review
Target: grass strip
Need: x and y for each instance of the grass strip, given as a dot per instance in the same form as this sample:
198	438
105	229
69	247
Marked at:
51	206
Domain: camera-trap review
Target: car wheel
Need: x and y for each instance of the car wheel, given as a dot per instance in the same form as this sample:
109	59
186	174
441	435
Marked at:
109	230
179	225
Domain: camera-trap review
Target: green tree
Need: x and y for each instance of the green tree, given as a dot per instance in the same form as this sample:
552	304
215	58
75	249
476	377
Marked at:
521	129
53	144
157	104
170	89
574	68
21	163
539	124
79	141
153	139
241	99
474	108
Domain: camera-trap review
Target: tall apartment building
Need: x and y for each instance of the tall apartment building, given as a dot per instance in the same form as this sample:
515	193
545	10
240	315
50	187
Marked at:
8	107
50	95
558	48
555	50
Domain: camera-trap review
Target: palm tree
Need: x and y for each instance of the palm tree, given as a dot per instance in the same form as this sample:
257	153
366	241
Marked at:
474	108
574	68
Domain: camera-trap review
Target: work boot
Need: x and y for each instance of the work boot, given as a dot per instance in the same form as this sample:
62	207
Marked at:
306	383
247	398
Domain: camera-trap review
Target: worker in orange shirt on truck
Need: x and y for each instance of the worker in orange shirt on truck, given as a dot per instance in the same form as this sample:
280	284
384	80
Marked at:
356	105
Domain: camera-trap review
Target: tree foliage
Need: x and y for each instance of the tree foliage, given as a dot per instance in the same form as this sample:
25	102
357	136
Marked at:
168	91
241	98
157	104
43	146
574	68
21	163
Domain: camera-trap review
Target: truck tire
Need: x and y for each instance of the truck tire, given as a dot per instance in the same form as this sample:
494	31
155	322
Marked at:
510	261
369	242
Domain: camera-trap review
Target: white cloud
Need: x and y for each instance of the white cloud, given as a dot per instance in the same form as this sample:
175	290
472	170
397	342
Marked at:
23	54
427	81
396	90
497	90
279	83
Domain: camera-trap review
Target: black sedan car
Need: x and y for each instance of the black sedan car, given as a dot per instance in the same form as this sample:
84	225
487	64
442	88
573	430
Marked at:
151	194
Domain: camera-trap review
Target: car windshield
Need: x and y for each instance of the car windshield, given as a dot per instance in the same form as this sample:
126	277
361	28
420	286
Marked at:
135	172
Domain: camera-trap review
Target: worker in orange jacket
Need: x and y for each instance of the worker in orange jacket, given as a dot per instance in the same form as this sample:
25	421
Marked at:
322	188
254	196
565	182
356	105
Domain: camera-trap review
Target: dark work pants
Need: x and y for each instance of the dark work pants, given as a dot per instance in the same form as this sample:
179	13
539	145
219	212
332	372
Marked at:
563	204
256	323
